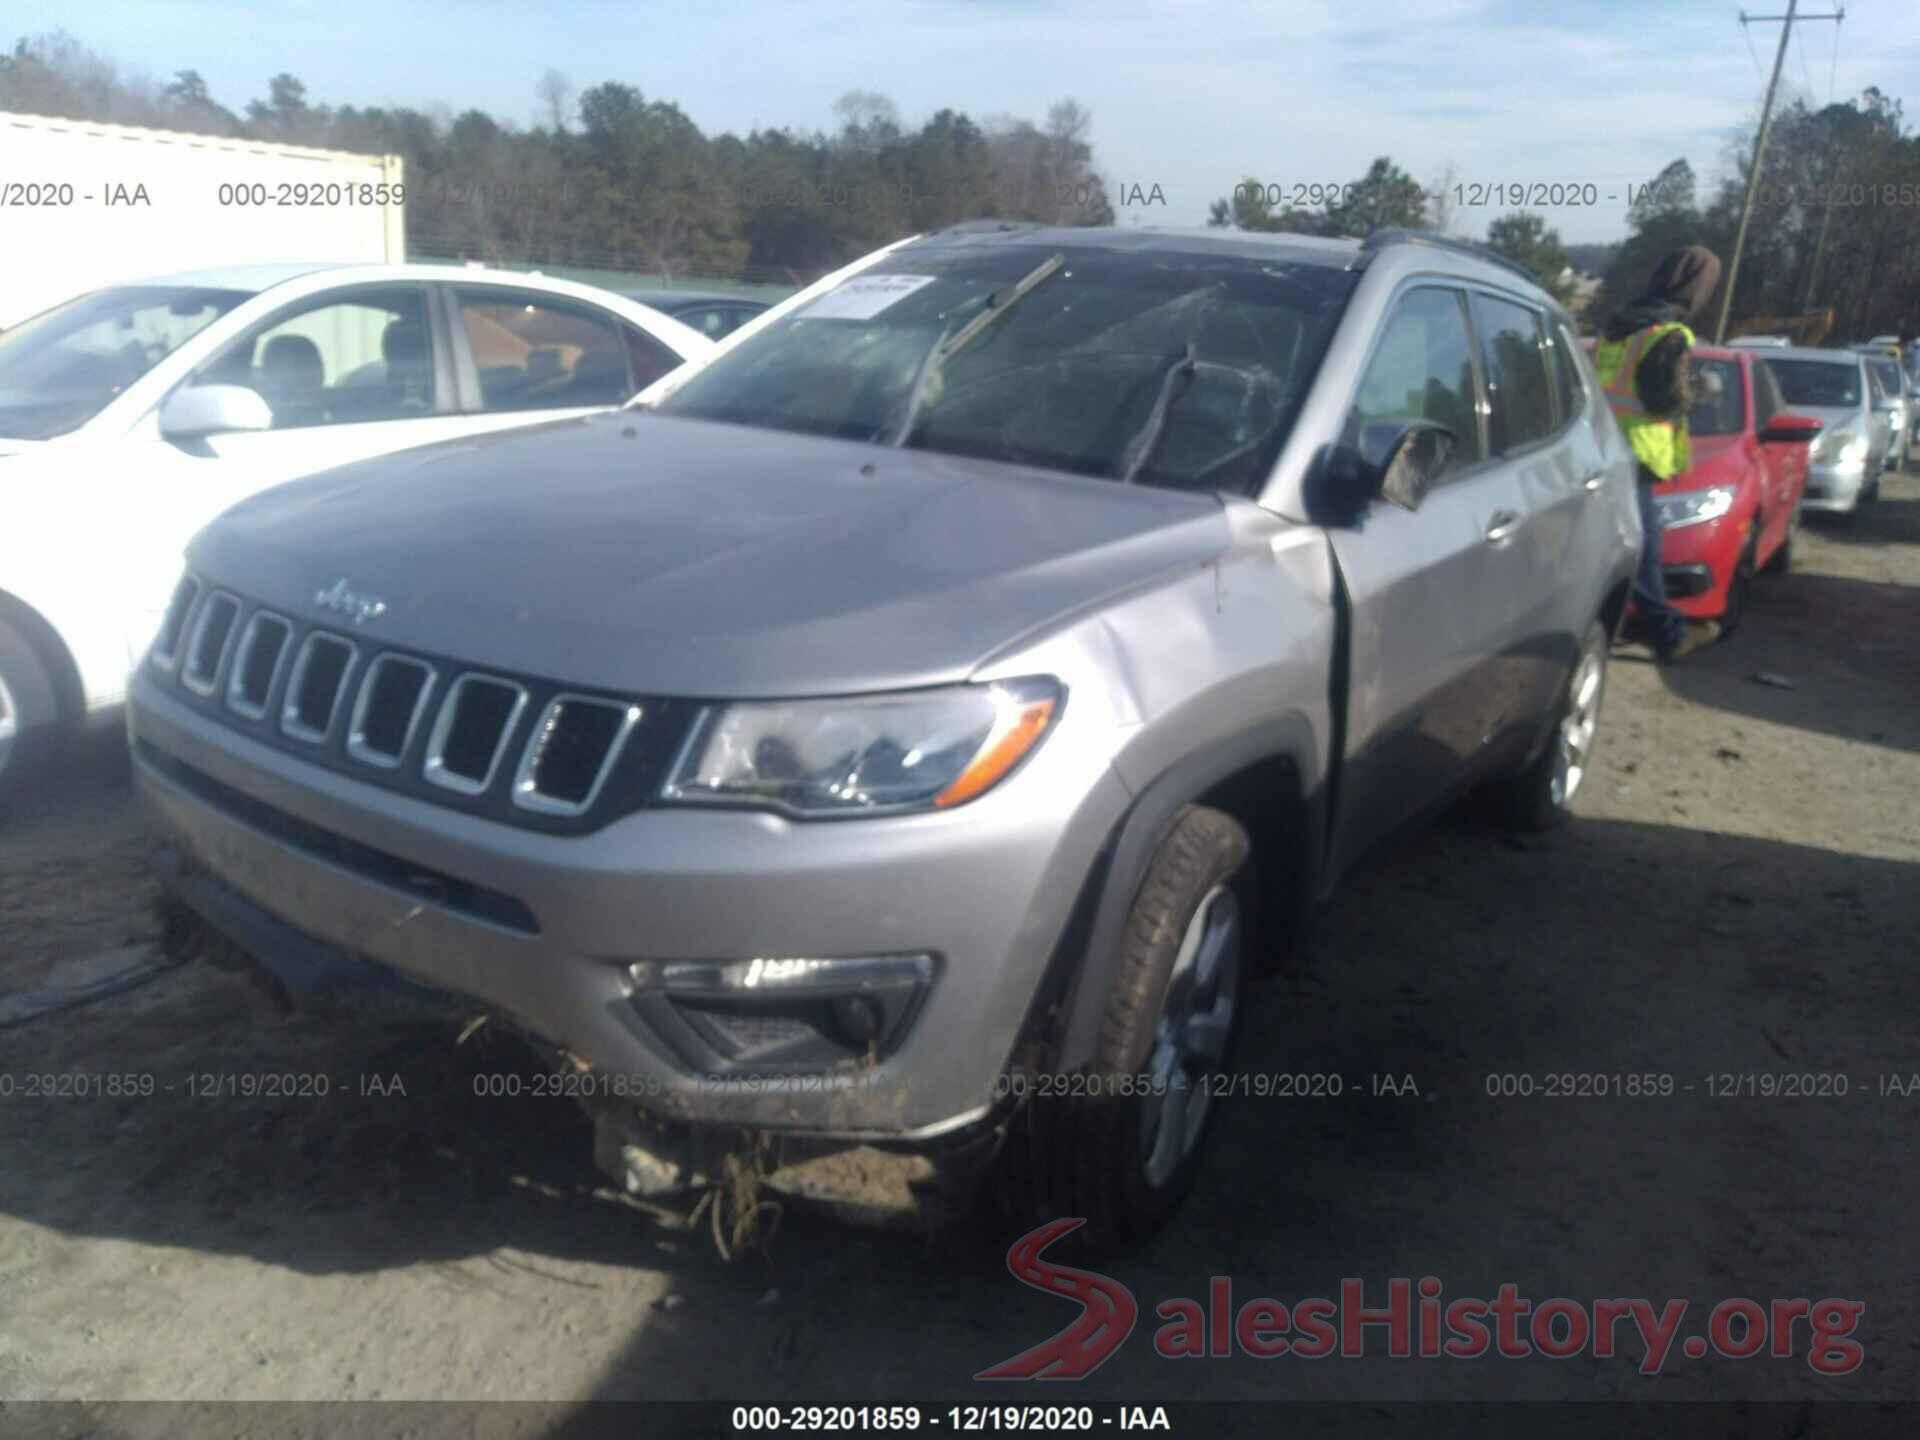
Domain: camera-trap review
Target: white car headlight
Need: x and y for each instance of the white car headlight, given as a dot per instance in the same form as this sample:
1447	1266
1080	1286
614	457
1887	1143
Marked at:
921	750
1693	507
1844	448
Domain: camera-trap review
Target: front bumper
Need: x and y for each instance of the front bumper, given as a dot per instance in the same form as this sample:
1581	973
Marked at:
544	928
1830	488
1698	562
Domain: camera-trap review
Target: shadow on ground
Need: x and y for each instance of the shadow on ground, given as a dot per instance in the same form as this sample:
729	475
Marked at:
1849	648
1895	517
1610	948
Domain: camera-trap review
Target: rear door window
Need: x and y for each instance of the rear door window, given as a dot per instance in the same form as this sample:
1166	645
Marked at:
541	352
1519	389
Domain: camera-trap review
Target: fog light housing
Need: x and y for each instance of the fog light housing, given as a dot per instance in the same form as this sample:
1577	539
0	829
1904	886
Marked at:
781	1014
858	1019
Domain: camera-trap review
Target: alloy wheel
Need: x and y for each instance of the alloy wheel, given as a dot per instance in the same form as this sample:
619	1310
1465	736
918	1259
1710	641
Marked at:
9	724
1190	1037
1574	744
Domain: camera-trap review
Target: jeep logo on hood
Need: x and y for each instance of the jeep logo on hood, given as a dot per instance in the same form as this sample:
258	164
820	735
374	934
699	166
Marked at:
358	607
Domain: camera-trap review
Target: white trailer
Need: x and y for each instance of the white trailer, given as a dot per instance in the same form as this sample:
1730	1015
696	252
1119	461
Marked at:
85	205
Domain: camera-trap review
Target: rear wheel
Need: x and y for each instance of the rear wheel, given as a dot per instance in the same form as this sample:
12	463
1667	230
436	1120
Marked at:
1541	796
28	711
1123	1151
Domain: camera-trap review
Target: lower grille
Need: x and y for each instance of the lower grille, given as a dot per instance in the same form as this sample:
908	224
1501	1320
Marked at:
447	891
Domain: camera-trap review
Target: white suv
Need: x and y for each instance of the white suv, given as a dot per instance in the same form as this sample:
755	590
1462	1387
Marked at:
130	416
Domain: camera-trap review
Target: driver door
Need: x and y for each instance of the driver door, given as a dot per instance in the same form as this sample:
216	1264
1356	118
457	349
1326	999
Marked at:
1427	613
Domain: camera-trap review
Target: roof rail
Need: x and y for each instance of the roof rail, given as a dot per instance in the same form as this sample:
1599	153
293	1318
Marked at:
1380	239
988	225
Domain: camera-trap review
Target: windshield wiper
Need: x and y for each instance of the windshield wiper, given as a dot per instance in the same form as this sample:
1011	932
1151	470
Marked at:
951	342
1140	449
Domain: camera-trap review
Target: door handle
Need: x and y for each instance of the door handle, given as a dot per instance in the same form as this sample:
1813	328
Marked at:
1502	526
1594	481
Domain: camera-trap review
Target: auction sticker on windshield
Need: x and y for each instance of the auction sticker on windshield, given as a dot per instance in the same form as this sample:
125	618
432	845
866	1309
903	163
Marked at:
865	296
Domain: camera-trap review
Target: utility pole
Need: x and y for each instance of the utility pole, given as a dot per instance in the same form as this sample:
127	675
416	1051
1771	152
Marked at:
1760	149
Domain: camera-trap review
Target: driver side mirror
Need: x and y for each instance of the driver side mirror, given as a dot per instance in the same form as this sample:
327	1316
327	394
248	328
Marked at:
1399	461
1787	429
197	411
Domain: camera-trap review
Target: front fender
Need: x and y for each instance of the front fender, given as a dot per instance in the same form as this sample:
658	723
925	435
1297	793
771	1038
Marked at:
1089	971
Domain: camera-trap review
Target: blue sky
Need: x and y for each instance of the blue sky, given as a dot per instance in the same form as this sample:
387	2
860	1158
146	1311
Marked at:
1188	95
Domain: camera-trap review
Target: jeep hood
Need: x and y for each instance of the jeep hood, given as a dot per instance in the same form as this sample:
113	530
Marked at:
658	555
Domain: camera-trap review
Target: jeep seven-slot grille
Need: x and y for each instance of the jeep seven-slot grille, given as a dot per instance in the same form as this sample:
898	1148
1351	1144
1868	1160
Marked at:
207	649
389	710
173	627
313	694
515	748
262	645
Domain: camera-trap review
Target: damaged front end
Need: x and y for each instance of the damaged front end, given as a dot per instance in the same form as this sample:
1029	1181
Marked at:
737	1178
928	1185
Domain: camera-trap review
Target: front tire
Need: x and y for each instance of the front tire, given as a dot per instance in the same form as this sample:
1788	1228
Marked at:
1739	592
1781	561
1123	1151
29	711
1541	796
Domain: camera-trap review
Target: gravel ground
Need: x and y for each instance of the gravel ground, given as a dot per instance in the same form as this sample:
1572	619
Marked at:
1740	895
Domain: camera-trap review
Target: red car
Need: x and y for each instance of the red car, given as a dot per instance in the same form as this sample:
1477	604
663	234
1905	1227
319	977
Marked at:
1734	512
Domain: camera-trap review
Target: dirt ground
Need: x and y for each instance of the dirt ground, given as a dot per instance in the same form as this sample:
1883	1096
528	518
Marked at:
1741	894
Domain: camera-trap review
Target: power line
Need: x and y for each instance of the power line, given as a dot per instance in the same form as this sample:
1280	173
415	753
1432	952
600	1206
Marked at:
1760	150
1747	36
1833	70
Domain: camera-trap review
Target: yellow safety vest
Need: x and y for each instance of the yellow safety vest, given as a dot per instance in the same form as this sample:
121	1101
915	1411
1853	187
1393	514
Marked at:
1661	445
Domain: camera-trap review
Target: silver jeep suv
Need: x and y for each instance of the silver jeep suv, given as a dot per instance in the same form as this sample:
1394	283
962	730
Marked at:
886	754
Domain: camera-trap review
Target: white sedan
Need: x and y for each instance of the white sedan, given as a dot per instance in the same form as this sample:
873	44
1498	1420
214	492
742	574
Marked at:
131	416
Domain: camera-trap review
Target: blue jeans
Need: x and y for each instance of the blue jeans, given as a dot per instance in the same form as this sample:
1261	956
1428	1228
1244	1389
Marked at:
1664	625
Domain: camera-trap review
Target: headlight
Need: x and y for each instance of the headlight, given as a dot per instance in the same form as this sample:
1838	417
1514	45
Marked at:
1693	507
923	750
1843	448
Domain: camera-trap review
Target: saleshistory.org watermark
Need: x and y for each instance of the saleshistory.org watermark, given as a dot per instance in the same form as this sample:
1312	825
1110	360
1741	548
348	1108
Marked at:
1415	1320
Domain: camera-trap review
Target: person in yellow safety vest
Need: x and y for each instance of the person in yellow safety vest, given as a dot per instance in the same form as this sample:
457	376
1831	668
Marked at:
1642	363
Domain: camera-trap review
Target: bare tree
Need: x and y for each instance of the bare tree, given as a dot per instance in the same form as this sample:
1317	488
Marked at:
867	118
556	99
